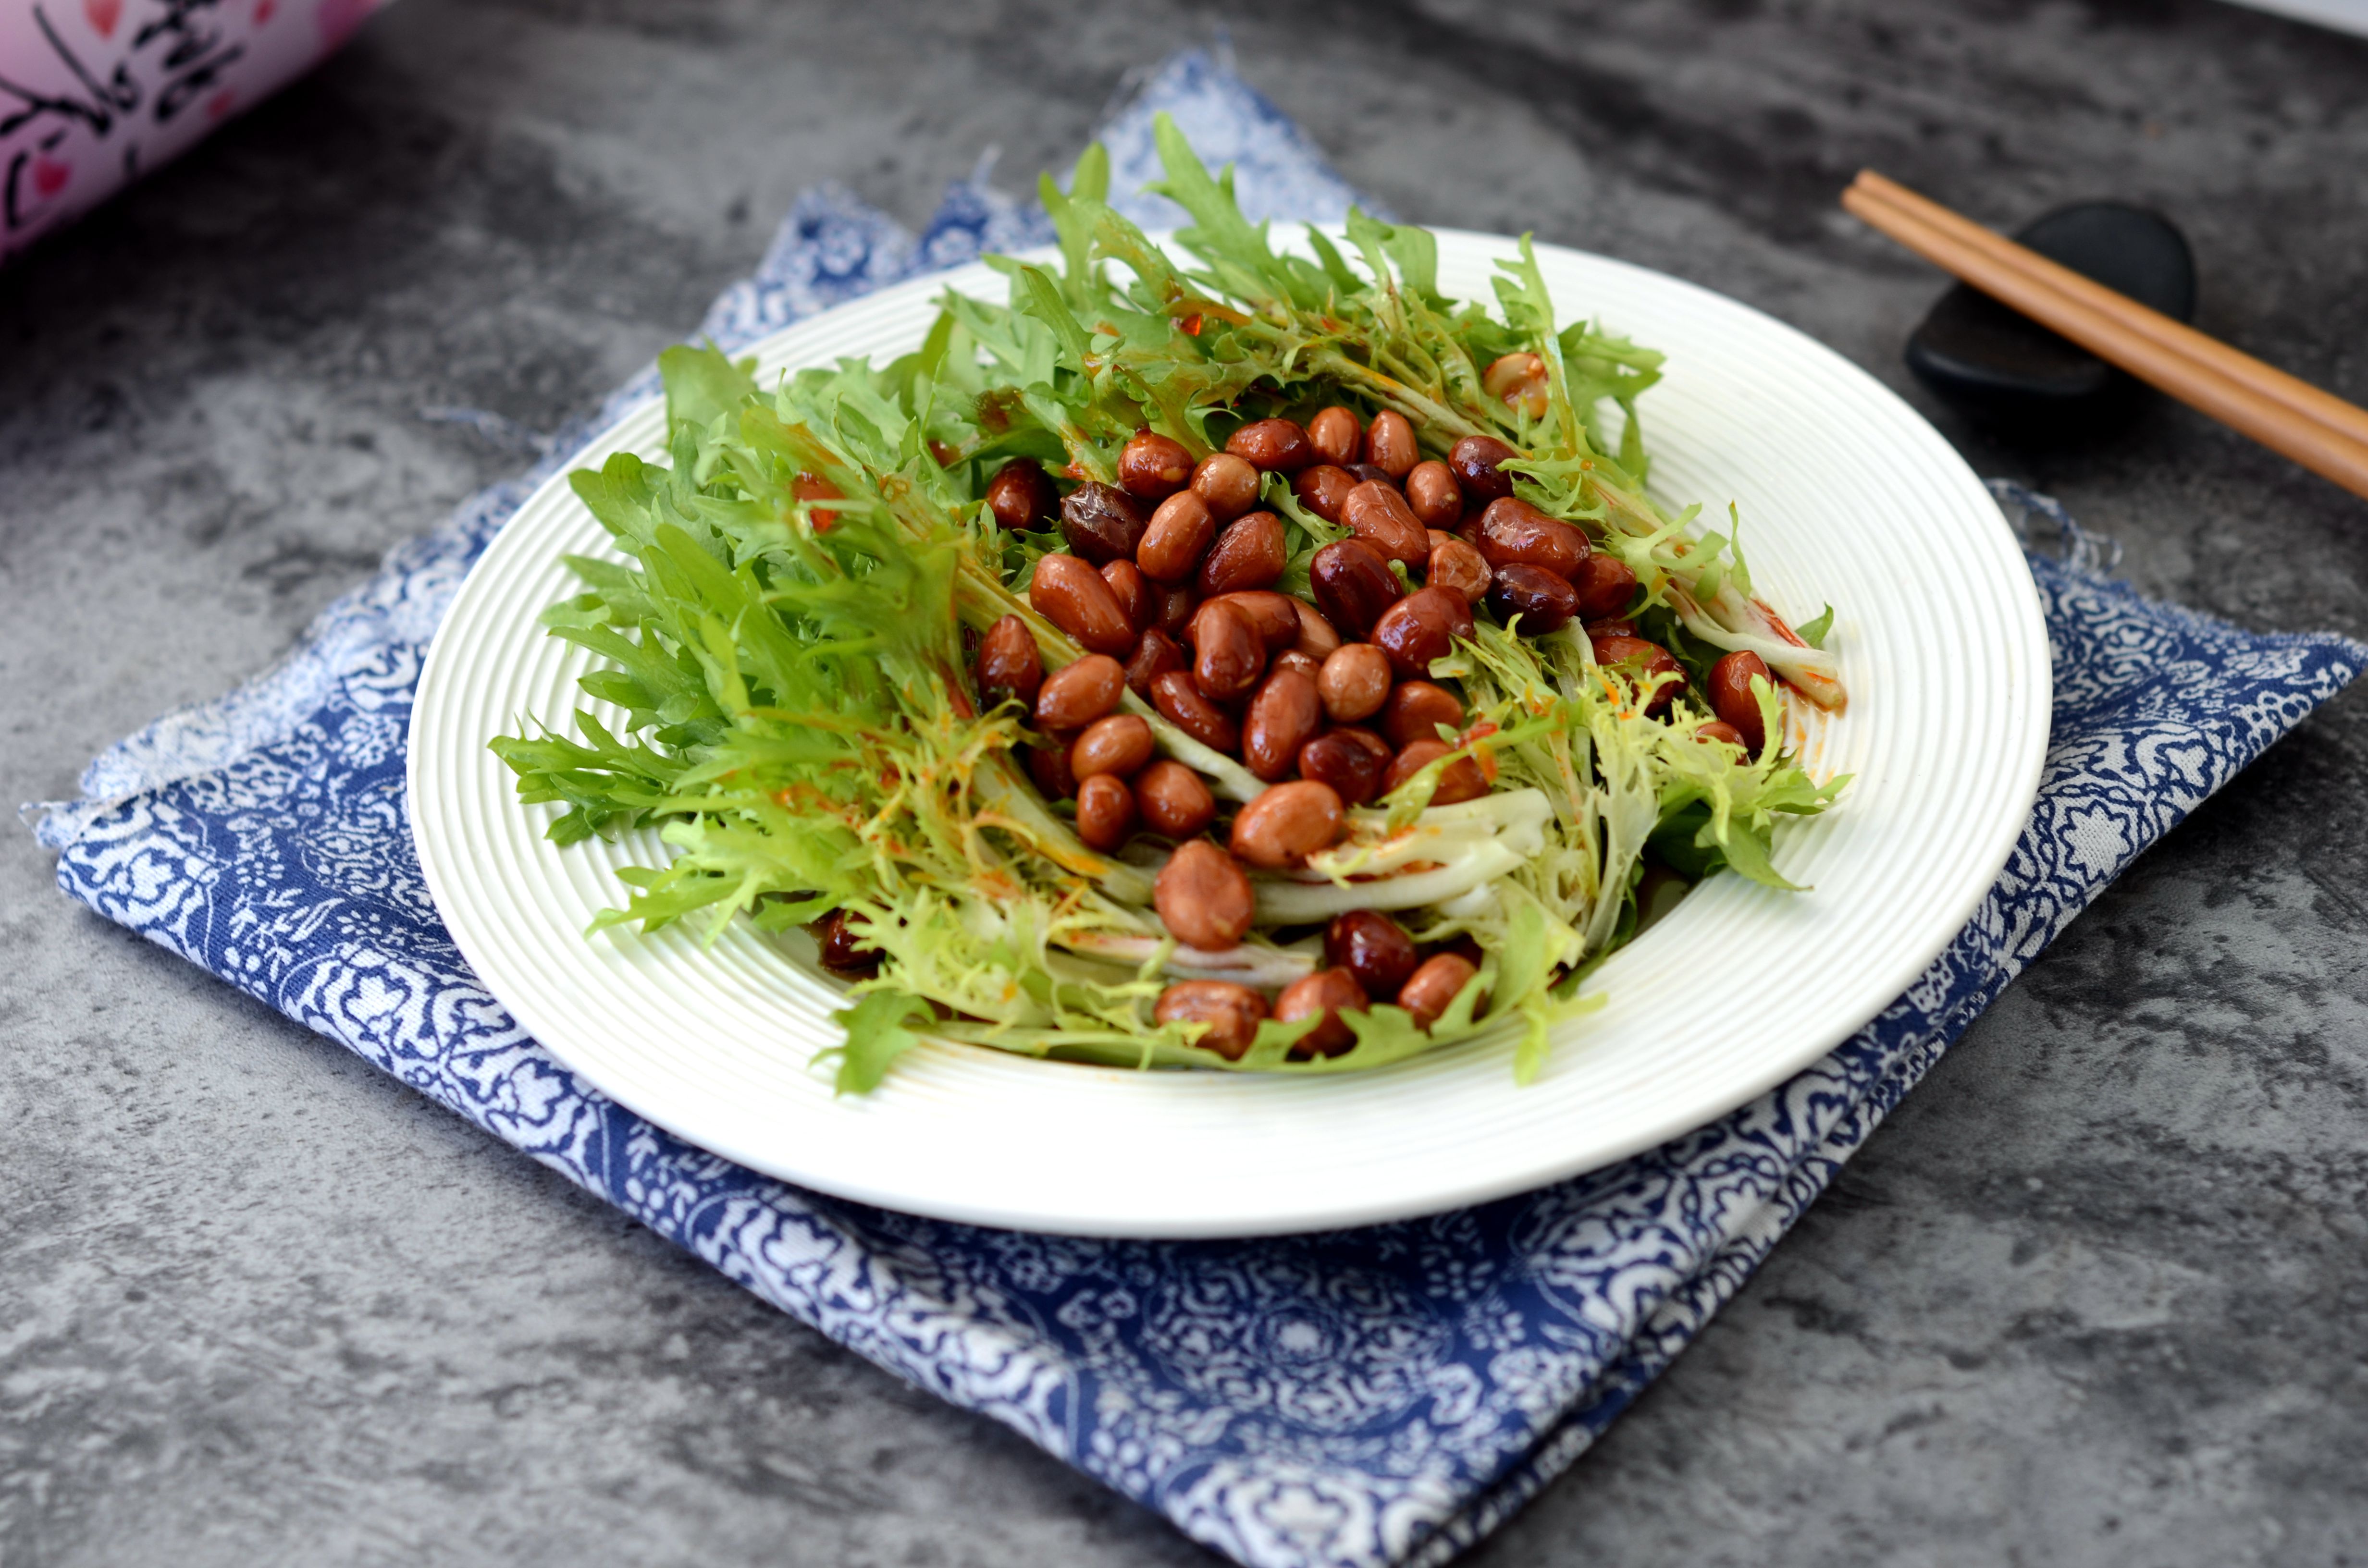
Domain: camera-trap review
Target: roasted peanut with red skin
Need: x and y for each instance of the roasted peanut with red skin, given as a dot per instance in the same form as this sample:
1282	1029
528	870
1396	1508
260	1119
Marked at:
1022	496
1643	662
1232	1012
1437	499
1328	992
1458	567
1719	730
1287	823
1351	760
1336	434
1355	682
1520	380
1274	617
1073	597
1182	703
1203	897
843	952
1049	768
1173	799
1462	780
1415	710
1105	811
1283	717
1421	627
1248	554
1175	537
1292	659
1119	744
1606	585
1366	474
1474	461
1431	989
1132	591
1543	601
1226	485
1276	446
1317	637
1075	695
1732	699
1323	490
1352	584
1512	530
1152	467
1390	444
1228	655
1101	522
1008	666
1177	604
1378	514
1374	948
1155	655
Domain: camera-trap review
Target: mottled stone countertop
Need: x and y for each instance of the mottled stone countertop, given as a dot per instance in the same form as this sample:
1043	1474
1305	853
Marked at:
2097	1293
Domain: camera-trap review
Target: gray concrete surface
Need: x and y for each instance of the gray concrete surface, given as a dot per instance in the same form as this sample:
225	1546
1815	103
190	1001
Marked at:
2098	1294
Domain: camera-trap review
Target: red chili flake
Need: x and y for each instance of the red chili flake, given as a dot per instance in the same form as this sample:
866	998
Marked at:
810	487
1486	757
1777	622
1191	325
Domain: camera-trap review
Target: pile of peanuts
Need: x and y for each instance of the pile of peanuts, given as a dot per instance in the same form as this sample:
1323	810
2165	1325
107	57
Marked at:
1168	583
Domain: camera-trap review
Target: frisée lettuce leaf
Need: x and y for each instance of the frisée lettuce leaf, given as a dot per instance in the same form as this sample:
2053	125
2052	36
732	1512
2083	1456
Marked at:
780	635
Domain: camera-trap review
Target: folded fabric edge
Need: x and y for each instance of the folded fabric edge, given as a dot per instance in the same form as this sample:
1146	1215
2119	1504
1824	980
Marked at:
214	733
1688	1309
205	736
387	607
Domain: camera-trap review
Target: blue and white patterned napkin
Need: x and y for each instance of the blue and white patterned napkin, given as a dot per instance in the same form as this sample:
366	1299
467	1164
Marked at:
1378	1396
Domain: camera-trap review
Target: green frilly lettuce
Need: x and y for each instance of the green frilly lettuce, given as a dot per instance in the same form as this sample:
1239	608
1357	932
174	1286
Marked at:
778	632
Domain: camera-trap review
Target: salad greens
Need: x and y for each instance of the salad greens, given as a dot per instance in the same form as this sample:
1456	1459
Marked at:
782	685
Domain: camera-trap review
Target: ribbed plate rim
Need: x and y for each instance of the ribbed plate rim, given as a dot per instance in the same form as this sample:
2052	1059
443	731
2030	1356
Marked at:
924	1138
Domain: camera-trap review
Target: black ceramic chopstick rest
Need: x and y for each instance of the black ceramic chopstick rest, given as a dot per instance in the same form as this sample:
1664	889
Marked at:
2002	367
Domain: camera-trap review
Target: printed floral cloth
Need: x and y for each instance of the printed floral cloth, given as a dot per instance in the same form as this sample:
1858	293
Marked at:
1377	1396
94	93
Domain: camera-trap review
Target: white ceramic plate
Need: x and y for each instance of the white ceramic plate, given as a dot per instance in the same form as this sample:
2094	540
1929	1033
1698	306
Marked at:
1846	495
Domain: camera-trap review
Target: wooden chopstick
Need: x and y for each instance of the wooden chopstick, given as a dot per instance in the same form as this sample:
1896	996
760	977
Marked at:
2267	380
2321	432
